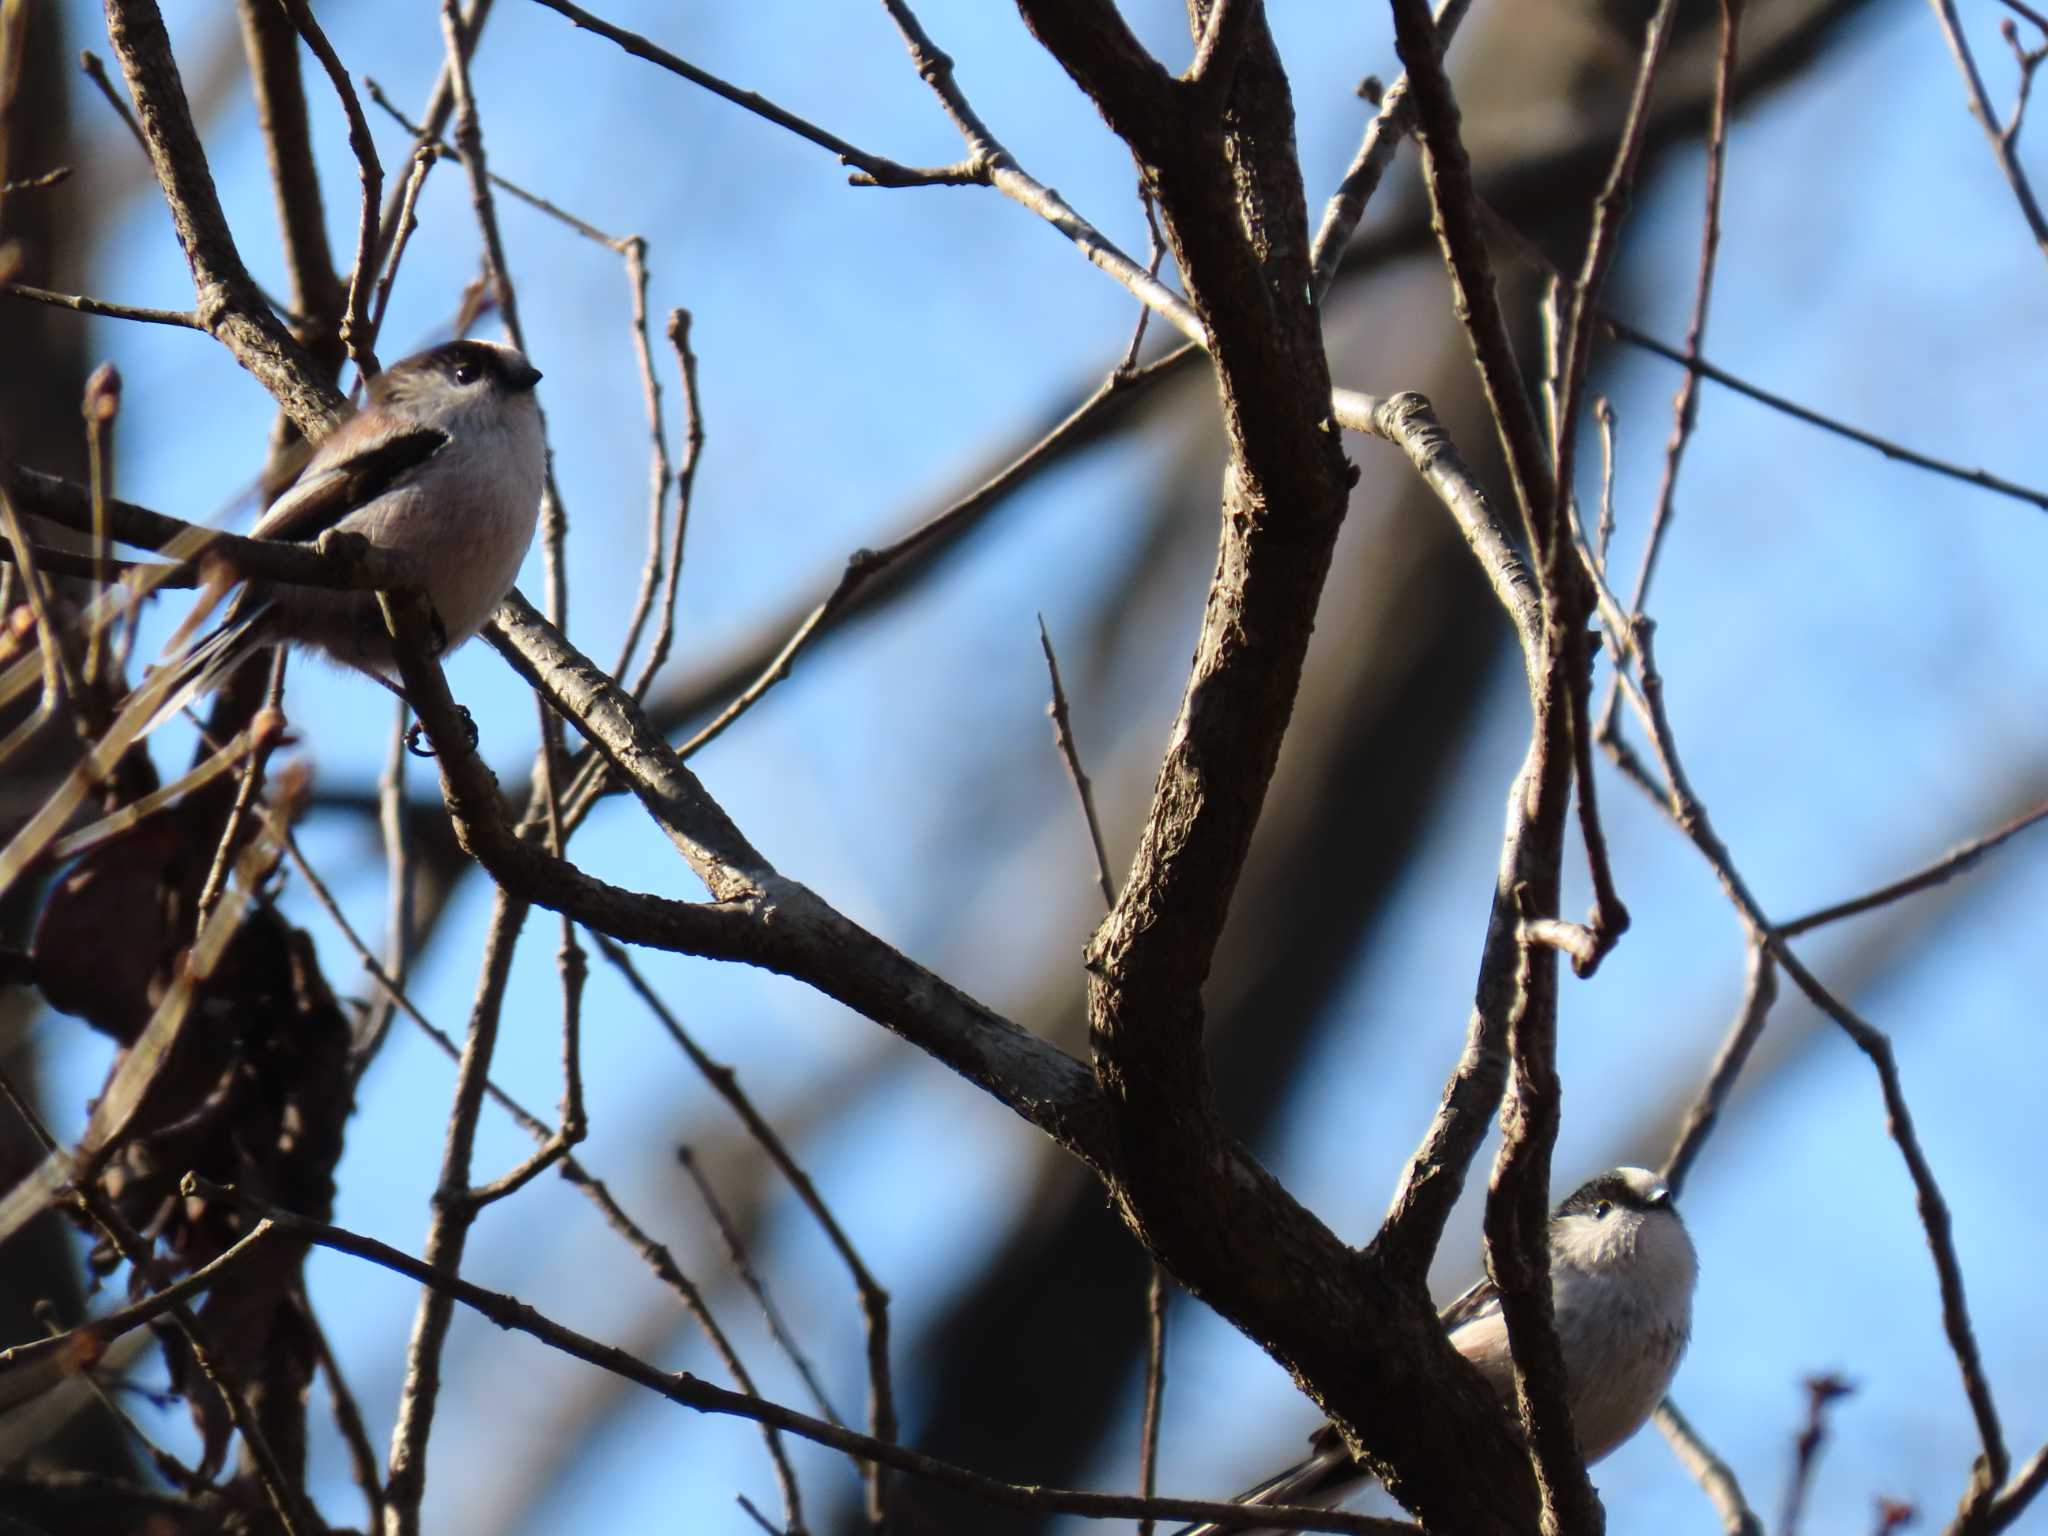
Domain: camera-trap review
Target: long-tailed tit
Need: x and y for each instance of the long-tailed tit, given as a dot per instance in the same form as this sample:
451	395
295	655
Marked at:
442	466
1622	1271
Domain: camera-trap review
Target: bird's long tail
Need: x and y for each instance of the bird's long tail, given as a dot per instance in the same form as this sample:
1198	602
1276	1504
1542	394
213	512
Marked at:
1326	1478
202	668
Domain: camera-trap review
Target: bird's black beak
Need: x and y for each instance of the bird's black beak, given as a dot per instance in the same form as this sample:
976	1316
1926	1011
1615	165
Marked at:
524	378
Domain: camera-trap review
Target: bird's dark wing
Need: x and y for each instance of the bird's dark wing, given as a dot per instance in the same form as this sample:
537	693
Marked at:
1481	1298
327	492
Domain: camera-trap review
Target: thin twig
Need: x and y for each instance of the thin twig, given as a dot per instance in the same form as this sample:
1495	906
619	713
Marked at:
1983	480
1063	738
2029	61
678	332
2026	12
987	162
408	220
1758	994
54	662
1155	1291
875	170
1000	169
434	146
102	407
1945	868
522	1173
1460	227
1690	816
440	106
874	1301
1527	252
136	1250
1685	404
356	332
661	1263
655	1255
657	456
96	71
348	1417
1821	1392
792	1504
78	1348
573	966
394	833
1609	918
43	181
172	1469
750	1278
263	731
1156	253
104	308
1714	1476
689	1391
469	141
864	565
1155	1389
2003	146
1603	413
1393	123
350	566
448	1231
271	45
56	176
246	790
230	305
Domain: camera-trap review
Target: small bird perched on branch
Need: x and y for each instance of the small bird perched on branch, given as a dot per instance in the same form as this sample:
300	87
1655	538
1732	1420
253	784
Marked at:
443	467
1622	1271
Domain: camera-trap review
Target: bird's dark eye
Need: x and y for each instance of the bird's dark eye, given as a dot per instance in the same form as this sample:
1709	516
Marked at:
467	373
1602	1209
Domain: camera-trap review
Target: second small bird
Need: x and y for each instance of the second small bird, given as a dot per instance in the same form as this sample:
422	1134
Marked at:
1622	1272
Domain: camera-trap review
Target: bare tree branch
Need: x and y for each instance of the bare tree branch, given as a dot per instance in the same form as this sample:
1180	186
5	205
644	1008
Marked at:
229	305
355	327
690	1392
1947	867
2004	146
1982	479
880	171
86	305
1448	173
1709	1471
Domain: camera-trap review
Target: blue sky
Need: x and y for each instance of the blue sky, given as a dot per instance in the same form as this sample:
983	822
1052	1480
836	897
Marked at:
1853	652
